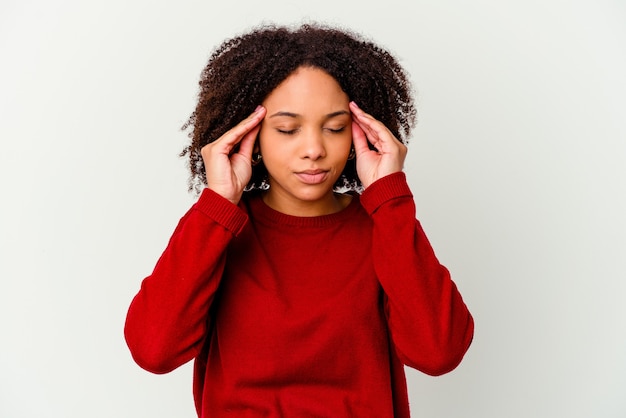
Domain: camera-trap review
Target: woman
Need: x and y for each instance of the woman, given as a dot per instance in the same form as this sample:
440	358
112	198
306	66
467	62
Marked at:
300	281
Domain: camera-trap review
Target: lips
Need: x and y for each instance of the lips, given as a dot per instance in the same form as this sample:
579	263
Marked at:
316	176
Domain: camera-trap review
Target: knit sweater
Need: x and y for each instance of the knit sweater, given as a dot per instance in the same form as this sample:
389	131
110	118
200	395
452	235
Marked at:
291	316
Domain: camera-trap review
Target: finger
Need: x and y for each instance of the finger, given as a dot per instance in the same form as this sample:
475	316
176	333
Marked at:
359	139
361	115
377	133
366	122
370	136
233	136
246	146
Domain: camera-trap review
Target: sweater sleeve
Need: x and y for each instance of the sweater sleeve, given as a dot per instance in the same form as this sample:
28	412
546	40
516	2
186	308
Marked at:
168	319
430	326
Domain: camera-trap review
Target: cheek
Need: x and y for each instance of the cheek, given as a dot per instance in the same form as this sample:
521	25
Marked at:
275	154
266	142
343	145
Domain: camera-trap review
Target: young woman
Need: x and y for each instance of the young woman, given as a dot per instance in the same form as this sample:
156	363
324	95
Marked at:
300	281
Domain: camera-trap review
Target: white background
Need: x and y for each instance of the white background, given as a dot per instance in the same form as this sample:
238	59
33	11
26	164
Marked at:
517	166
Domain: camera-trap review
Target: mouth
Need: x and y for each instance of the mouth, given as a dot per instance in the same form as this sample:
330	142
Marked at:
316	176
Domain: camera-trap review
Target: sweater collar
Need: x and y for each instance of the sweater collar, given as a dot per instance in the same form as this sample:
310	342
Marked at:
259	211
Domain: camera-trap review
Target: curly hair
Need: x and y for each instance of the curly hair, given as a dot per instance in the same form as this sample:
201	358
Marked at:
244	70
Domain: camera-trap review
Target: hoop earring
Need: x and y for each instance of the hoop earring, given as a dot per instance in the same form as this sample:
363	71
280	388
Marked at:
256	159
352	154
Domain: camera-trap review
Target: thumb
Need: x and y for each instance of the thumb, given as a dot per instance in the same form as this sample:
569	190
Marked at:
359	139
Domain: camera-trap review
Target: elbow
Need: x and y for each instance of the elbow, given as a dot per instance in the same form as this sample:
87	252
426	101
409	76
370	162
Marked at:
434	365
439	365
149	356
161	346
151	363
150	351
441	357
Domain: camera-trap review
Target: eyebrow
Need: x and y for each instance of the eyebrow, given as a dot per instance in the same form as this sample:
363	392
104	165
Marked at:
295	115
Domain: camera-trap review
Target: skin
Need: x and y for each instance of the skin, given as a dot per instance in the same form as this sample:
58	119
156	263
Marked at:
306	127
305	141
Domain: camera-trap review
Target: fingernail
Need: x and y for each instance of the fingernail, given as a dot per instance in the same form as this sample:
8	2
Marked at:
259	107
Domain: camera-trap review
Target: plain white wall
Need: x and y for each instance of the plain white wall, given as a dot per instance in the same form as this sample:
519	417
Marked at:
517	166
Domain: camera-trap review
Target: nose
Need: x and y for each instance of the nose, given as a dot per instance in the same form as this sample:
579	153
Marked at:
313	146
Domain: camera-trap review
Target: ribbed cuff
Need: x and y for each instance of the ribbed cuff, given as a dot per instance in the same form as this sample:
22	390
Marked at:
222	211
392	186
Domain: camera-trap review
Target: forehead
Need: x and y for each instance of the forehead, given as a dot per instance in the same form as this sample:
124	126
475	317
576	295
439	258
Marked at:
305	90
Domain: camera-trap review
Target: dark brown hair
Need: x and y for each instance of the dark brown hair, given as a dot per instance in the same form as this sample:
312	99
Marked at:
243	70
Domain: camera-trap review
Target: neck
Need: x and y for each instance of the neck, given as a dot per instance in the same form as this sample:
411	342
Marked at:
332	203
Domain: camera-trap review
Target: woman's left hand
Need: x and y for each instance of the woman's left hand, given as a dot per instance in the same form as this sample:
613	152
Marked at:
389	155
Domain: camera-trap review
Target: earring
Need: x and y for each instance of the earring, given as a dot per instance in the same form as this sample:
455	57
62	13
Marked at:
256	158
352	154
265	185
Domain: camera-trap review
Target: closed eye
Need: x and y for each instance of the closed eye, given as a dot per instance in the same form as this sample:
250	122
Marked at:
295	130
287	131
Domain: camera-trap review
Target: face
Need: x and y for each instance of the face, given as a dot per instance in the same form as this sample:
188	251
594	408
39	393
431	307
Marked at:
305	140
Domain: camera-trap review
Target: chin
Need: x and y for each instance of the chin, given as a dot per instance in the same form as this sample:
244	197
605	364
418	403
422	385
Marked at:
313	192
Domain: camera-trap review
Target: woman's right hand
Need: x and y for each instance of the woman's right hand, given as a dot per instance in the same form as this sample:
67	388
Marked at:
228	173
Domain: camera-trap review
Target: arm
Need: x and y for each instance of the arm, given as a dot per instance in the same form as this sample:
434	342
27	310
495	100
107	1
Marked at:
168	319
429	323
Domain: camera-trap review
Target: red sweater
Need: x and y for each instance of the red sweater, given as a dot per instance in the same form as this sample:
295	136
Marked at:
300	316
